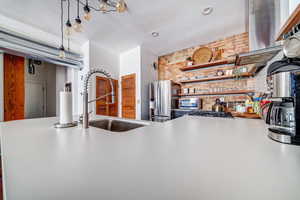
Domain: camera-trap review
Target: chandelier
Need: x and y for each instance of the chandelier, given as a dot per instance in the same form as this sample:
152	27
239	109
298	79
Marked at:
103	6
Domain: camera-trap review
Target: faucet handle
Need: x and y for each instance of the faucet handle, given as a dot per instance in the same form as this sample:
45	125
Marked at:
80	120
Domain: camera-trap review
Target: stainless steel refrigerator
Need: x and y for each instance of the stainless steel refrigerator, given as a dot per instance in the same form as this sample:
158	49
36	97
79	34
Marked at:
164	97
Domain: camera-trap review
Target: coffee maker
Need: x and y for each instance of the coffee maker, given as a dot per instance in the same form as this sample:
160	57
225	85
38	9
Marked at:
283	78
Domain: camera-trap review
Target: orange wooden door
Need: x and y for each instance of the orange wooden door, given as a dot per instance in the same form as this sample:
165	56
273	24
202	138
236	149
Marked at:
14	87
128	96
101	89
102	107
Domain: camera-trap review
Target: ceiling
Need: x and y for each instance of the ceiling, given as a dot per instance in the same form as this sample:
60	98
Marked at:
180	23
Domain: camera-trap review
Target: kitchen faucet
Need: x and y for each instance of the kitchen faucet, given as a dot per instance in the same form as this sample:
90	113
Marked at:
85	115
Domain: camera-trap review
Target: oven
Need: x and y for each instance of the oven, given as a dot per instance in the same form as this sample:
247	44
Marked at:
190	103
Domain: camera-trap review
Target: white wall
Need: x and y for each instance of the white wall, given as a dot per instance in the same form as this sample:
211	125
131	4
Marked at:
130	63
1	88
104	59
85	49
148	75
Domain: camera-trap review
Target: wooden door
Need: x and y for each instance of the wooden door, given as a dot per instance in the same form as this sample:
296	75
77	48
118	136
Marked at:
128	96
101	89
102	107
14	87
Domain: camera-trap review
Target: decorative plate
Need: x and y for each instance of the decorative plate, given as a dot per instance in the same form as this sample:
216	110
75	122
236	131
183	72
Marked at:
202	55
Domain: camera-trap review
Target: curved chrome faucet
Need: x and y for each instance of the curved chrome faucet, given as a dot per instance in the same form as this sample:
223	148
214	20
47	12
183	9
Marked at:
85	115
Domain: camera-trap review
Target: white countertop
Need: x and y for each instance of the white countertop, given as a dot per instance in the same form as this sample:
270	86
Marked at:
190	158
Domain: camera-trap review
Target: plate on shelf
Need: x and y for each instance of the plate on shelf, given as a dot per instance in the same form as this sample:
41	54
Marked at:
202	55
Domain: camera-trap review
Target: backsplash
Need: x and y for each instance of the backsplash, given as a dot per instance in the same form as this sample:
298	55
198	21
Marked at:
169	69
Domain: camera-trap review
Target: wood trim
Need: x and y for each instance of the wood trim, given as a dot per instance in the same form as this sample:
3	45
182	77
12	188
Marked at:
128	105
244	75
246	115
220	93
129	76
292	21
205	65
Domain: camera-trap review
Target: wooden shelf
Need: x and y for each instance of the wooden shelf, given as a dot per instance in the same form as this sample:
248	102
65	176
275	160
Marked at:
205	65
219	93
244	75
246	115
292	21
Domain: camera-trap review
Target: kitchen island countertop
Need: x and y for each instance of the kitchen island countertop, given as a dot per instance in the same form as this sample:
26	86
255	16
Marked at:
190	158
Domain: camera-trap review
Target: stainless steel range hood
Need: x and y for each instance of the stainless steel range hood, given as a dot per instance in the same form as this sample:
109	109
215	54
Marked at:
264	24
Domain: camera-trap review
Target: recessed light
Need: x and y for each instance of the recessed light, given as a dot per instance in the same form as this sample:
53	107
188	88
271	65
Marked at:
155	34
207	11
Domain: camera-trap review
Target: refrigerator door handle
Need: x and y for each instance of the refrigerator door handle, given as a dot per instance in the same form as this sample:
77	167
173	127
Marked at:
158	99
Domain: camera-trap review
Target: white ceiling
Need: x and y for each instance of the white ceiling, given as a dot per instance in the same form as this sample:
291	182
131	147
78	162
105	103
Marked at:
179	22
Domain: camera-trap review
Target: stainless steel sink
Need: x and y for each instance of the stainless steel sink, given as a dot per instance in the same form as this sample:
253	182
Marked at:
115	125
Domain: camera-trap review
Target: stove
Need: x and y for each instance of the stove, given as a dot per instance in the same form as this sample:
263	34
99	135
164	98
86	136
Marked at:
210	114
176	113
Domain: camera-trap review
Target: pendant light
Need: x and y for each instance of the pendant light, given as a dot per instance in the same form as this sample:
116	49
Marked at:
121	6
68	23
87	11
103	5
62	48
78	25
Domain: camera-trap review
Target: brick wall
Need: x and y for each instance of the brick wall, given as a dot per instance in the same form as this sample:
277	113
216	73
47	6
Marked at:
169	69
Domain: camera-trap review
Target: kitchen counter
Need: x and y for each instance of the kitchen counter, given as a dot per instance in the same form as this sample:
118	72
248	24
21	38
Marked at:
190	158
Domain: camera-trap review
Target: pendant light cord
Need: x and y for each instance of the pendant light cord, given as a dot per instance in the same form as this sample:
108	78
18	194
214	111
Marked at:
94	8
68	10
78	8
62	22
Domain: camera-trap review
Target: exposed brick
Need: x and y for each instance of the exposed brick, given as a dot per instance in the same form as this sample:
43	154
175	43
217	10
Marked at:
169	68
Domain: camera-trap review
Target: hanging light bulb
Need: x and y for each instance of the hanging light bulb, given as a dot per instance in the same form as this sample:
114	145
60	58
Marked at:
121	6
68	30
62	53
103	5
61	48
87	11
77	25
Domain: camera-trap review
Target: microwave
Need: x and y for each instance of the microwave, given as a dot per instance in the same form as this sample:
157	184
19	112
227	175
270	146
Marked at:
190	103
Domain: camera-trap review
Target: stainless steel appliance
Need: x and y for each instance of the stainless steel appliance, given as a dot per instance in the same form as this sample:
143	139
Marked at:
176	113
164	96
218	106
190	103
291	45
284	111
281	84
263	25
